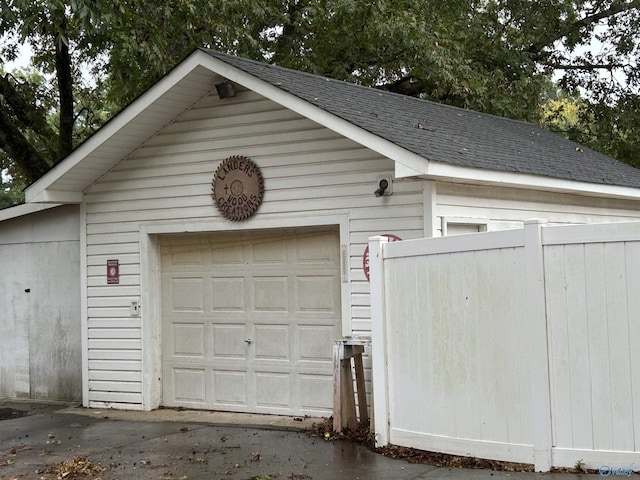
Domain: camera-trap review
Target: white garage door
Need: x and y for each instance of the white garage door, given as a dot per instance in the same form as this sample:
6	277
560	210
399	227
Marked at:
249	321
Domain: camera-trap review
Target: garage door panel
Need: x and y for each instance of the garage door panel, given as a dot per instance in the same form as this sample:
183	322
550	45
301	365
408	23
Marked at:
316	294
229	255
269	252
273	389
229	387
229	341
253	329
271	294
187	294
315	390
272	342
317	250
228	293
187	256
312	341
188	340
189	385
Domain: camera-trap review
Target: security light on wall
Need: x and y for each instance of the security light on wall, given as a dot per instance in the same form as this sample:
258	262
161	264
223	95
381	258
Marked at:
225	90
385	186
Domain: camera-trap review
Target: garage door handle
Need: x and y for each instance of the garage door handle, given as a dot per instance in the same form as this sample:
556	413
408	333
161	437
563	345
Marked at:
248	340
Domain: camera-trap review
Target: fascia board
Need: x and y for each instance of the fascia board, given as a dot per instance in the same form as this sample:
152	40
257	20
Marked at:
24	209
455	173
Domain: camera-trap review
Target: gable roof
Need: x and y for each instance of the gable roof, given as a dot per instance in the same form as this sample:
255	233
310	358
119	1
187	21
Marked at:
444	133
422	137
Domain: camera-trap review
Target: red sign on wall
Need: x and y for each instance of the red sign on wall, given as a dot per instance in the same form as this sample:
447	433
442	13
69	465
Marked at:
365	257
113	272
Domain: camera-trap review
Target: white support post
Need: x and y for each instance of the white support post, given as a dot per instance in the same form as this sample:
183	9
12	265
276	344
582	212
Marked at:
84	309
430	204
539	353
378	341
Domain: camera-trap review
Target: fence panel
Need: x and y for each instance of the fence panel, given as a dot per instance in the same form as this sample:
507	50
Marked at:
456	343
593	319
519	346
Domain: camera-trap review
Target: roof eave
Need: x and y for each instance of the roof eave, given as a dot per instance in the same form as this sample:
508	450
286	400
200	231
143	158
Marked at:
24	209
459	174
408	163
44	189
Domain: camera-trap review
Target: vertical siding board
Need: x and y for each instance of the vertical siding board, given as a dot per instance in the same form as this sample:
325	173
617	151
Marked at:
441	364
451	325
491	387
598	346
505	384
633	280
436	296
421	278
578	342
400	321
618	334
429	275
512	347
526	406
486	338
473	321
555	286
460	339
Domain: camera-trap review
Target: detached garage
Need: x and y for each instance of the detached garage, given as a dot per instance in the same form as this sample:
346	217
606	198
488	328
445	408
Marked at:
224	216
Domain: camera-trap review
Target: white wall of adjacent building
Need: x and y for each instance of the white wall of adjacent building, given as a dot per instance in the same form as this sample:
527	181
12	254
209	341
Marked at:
40	334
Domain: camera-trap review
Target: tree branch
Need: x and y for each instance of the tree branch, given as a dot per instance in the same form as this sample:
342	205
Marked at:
615	8
588	66
407	85
26	113
16	146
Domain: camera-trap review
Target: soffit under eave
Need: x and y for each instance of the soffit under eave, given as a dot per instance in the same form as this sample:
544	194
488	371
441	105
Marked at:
160	106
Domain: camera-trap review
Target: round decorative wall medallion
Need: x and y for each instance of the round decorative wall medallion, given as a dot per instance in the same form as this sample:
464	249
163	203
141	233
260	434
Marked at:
237	188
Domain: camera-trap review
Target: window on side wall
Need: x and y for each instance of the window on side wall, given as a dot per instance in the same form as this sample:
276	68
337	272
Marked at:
462	226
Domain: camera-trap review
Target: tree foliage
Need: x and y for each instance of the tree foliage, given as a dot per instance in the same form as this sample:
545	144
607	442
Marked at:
494	56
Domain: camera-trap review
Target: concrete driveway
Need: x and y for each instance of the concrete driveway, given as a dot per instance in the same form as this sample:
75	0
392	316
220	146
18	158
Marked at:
54	441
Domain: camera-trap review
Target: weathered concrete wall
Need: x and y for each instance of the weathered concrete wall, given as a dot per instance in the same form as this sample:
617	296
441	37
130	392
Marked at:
40	326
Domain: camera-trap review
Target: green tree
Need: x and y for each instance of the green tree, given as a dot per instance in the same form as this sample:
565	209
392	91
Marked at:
494	56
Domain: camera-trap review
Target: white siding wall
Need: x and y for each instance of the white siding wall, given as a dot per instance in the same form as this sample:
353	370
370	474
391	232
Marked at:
308	171
505	208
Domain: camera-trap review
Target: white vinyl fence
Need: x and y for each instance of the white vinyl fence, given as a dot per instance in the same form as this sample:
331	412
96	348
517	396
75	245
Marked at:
519	345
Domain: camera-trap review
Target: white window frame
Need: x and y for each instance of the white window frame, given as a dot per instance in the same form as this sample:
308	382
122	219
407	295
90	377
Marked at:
482	223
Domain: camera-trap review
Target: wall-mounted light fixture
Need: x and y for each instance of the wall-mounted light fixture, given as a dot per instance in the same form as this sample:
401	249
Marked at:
385	187
225	90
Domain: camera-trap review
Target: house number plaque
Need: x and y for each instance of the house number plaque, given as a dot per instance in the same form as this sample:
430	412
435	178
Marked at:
237	188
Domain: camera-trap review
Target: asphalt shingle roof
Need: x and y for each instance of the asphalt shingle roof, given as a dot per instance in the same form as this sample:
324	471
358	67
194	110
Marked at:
446	134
